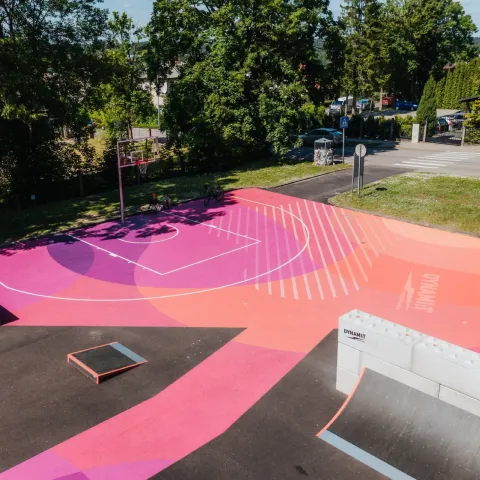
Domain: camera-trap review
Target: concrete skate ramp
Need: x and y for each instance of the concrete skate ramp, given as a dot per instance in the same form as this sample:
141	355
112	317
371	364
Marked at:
405	432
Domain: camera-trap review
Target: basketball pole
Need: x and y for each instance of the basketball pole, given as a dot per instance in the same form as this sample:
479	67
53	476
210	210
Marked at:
120	186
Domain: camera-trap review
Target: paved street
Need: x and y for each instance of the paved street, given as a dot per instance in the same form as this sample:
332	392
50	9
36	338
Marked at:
320	189
428	158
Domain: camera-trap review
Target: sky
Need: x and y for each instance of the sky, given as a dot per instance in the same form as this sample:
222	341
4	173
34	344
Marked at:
140	10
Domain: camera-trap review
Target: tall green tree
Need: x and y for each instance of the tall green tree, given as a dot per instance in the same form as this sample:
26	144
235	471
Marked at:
50	60
249	70
427	108
440	92
126	97
365	70
425	35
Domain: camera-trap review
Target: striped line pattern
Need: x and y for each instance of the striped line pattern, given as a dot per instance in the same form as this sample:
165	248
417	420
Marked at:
434	161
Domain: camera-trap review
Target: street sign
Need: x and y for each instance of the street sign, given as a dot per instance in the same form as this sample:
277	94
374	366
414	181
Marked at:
344	122
360	150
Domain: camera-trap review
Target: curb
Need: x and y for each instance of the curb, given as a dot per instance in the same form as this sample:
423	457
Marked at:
300	180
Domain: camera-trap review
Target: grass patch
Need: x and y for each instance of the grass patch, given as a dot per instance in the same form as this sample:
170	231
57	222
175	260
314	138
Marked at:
78	212
447	201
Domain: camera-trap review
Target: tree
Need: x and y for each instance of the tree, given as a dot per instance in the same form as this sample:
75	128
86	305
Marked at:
424	36
365	47
126	96
50	59
249	70
472	124
440	92
427	109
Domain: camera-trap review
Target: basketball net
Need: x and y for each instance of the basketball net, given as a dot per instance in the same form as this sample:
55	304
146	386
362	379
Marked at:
142	168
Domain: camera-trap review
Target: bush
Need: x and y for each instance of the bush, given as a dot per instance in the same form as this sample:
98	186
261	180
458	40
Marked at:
472	124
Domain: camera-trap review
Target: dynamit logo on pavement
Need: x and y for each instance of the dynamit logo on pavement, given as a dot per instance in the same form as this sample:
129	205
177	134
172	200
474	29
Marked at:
354	335
427	292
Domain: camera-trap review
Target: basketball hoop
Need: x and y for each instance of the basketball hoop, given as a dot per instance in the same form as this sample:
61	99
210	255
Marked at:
142	167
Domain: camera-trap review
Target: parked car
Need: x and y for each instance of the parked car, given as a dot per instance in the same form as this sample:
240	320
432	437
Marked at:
338	104
442	124
387	101
328	133
457	120
363	104
406	105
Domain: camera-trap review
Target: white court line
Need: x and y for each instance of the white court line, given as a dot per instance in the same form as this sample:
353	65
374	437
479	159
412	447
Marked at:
367	221
366	237
155	241
112	254
357	239
305	279
229	224
292	276
314	267
342	281
349	268
174	295
322	256
350	245
248	223
219	229
238	224
282	286
208	225
269	282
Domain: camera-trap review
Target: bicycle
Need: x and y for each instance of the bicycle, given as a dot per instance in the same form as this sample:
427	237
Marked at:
213	191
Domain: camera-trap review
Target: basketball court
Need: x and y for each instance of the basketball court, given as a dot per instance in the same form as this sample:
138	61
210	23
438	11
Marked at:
260	278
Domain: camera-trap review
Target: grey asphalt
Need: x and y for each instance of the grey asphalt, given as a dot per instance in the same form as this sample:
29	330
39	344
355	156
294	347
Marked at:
321	188
44	400
276	438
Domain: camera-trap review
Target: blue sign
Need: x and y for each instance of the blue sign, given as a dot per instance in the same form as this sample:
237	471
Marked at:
344	122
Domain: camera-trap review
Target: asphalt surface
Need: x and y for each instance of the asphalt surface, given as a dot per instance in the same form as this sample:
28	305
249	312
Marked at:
276	438
416	433
321	188
44	400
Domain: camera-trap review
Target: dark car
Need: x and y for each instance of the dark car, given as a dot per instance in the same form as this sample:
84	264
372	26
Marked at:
328	133
406	105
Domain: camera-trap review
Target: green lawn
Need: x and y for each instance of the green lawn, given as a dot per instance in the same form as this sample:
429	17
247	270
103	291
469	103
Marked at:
76	212
447	201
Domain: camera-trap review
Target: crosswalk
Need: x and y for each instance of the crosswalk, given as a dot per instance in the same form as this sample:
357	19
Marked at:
435	161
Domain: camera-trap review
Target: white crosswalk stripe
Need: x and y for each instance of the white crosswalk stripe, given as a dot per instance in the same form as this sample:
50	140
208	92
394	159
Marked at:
434	161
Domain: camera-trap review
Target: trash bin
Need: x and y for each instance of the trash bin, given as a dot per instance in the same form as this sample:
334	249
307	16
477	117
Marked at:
323	152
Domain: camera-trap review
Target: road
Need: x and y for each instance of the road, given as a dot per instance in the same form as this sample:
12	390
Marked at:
320	189
434	159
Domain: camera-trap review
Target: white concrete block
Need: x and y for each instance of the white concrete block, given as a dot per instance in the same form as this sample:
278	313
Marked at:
348	358
448	365
399	374
378	337
346	381
460	400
